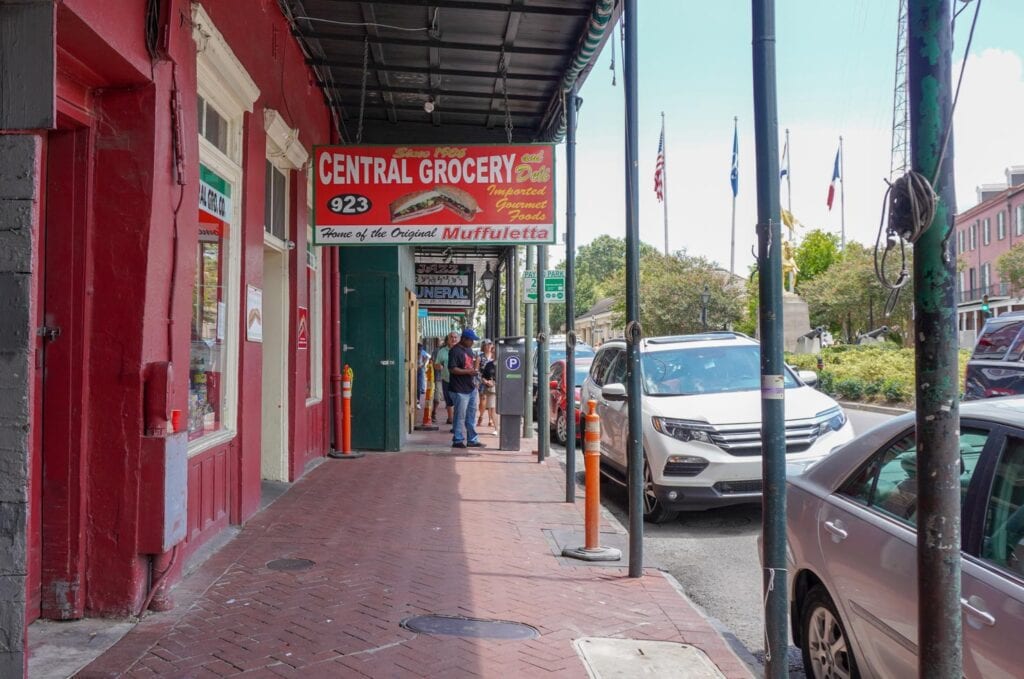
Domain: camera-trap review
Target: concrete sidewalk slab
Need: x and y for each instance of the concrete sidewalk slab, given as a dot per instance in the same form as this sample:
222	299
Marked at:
396	535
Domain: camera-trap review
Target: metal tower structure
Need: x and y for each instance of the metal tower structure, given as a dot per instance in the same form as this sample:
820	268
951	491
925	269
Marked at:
900	111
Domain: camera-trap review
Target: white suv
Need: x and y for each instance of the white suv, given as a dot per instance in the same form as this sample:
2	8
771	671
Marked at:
702	420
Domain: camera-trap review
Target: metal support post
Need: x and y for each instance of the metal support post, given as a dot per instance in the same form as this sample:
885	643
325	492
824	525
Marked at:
570	297
531	262
773	432
543	384
510	291
517	292
634	448
940	636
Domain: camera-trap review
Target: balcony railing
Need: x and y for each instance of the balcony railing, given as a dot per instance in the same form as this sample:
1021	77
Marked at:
975	294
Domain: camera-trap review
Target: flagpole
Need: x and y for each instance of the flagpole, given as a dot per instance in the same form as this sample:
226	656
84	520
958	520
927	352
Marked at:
842	198
789	186
732	248
664	181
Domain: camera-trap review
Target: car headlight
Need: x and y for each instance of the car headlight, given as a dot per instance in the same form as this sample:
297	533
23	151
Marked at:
683	430
836	418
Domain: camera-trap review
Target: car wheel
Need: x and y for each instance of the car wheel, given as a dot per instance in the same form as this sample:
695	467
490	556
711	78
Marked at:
826	647
561	428
654	510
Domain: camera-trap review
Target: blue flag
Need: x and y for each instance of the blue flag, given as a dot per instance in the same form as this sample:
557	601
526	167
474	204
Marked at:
734	174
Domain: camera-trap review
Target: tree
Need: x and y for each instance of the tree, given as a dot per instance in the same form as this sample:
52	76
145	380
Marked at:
849	299
816	253
597	265
1010	266
670	291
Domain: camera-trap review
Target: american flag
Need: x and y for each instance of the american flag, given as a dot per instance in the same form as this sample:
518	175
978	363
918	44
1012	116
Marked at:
659	167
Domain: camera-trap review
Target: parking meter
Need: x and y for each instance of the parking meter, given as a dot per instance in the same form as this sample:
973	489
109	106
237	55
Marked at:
511	386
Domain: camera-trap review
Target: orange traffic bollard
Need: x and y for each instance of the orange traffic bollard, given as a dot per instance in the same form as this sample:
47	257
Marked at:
428	401
346	416
592	549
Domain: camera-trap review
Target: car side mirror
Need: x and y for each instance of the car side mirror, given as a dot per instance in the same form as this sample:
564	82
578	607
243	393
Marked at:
809	377
614	392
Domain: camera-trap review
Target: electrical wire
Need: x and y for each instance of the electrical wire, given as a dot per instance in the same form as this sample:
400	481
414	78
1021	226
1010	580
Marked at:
364	24
910	202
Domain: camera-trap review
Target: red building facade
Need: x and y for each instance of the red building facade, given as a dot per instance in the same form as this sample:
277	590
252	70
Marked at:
178	328
983	233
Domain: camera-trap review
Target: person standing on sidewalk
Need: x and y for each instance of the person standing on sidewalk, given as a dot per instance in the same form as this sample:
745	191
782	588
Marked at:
462	386
441	361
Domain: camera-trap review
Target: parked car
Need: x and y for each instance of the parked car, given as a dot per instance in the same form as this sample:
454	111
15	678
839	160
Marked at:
995	367
851	522
702	419
556	352
560	400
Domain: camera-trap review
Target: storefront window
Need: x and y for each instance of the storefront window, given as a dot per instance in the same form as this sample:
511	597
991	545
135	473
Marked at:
209	307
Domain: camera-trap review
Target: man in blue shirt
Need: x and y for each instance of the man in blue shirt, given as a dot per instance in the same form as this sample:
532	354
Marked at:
462	386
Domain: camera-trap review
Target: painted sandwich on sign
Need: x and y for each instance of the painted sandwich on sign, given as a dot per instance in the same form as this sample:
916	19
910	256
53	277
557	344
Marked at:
377	195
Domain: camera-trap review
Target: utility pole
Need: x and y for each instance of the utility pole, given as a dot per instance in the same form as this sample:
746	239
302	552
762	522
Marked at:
940	637
769	259
528	321
543	385
634	446
570	296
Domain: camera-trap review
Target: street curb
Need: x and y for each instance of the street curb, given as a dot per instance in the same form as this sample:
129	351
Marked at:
874	408
738	648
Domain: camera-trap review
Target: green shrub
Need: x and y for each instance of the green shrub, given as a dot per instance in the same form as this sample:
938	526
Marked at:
895	392
850	388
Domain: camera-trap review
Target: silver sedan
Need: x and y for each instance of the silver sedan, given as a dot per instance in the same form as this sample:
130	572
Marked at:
851	524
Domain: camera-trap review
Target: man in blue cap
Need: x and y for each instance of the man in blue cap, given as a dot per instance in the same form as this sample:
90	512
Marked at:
462	386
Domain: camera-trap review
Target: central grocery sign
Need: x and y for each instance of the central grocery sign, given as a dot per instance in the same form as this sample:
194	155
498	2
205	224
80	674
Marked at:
376	195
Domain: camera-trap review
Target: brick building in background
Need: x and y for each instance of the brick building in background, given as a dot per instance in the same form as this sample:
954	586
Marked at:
155	258
983	233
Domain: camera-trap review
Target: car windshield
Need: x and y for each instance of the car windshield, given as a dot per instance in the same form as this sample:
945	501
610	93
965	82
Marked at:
996	339
705	370
582	370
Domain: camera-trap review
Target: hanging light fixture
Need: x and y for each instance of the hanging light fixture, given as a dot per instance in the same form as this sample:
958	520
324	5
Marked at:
487	278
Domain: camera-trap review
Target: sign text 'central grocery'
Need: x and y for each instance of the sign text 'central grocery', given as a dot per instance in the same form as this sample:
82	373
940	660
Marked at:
375	195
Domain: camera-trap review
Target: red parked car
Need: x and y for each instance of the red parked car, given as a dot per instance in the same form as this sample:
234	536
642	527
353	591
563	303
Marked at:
559	402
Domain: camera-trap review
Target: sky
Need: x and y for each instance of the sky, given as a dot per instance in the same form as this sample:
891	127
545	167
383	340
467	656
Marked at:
835	62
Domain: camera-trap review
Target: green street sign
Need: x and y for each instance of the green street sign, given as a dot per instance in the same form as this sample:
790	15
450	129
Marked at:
554	286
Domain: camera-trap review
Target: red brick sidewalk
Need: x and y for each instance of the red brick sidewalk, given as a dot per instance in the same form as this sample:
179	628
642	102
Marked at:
395	535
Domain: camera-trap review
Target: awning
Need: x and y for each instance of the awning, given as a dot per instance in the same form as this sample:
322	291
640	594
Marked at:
458	71
438	326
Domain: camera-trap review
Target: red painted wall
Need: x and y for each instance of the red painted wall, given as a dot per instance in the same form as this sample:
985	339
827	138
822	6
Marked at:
141	267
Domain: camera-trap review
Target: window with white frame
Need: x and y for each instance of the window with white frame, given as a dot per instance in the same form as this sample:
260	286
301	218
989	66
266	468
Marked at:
314	298
960	241
986	232
1020	219
275	201
986	276
1001	225
974	235
225	93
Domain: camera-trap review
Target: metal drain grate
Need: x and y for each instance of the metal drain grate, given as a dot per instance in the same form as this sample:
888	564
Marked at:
476	628
290	564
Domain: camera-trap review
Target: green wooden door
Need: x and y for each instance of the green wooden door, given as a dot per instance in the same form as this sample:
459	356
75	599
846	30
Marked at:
366	347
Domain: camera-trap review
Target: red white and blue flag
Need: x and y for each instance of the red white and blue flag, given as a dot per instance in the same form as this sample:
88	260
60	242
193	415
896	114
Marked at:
659	167
832	185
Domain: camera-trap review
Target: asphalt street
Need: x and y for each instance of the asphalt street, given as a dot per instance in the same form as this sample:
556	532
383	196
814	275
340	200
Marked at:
713	554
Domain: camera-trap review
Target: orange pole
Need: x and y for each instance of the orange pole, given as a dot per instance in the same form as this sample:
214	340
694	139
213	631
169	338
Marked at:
346	410
592	465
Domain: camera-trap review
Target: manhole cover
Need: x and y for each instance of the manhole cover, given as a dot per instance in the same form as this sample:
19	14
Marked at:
290	564
457	626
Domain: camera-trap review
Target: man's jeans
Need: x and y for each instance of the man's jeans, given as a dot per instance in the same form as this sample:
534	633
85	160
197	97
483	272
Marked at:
465	416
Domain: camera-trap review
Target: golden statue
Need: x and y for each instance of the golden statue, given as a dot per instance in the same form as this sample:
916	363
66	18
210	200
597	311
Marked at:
789	267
